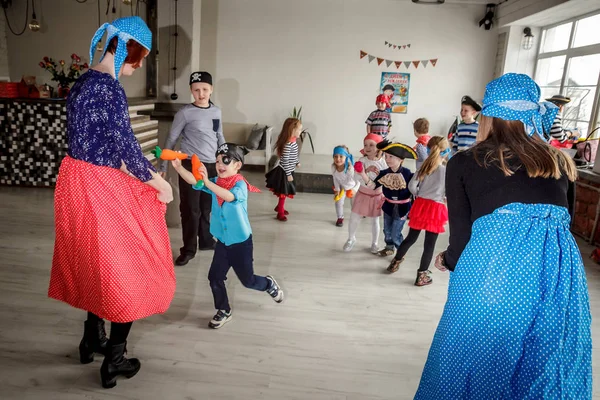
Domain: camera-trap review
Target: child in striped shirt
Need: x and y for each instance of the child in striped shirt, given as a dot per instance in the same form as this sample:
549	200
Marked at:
379	121
466	132
280	180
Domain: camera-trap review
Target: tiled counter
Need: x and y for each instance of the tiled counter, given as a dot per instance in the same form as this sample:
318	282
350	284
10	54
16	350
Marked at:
33	138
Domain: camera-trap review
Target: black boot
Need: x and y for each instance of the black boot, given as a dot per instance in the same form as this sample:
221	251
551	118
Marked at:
94	341
116	364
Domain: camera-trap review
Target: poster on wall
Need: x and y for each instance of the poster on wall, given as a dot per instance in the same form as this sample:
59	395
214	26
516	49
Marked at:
396	85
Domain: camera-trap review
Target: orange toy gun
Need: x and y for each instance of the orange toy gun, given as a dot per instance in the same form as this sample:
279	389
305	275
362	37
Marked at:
166	154
196	164
169	155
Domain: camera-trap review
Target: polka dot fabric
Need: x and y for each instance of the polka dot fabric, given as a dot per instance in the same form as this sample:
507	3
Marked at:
124	29
515	97
112	254
516	324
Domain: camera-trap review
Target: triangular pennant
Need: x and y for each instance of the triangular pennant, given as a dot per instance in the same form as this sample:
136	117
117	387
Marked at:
434	61
408	46
416	64
407	64
389	45
398	64
388	62
395	47
424	62
371	58
379	61
386	42
362	54
403	46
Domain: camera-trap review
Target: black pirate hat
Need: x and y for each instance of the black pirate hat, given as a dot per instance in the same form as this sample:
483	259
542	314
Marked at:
469	101
397	149
233	151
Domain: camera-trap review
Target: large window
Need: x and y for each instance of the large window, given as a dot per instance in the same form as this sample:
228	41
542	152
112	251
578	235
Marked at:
569	64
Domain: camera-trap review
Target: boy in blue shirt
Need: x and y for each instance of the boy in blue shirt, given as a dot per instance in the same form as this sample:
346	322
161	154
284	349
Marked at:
229	224
466	132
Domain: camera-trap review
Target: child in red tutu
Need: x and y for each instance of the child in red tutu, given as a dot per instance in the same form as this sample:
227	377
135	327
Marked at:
429	212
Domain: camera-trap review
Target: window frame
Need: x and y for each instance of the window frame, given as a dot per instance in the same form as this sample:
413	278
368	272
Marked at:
569	53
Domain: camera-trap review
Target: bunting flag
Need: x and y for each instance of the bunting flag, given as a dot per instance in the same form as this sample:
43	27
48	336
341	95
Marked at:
397	46
407	64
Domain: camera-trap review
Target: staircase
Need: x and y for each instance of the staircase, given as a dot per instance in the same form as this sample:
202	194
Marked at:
145	130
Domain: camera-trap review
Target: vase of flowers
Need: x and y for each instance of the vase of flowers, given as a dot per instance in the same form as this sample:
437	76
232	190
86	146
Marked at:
62	77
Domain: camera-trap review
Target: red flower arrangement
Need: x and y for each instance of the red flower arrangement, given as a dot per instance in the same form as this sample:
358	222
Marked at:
59	75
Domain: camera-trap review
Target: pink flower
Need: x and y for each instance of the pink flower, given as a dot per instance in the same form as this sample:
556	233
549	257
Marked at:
62	62
42	64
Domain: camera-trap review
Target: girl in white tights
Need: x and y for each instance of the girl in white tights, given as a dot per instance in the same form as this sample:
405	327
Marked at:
367	202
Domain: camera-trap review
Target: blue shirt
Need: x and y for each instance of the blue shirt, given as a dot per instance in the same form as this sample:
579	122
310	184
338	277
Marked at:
99	128
465	137
229	223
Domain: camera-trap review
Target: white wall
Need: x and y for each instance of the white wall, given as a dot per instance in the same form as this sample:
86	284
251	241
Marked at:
188	47
272	55
67	27
518	59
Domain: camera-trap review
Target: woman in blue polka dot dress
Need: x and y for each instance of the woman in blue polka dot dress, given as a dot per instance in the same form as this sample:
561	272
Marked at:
516	324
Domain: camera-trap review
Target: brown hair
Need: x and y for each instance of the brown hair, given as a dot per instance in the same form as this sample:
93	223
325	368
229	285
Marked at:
286	133
135	51
421	126
436	145
501	141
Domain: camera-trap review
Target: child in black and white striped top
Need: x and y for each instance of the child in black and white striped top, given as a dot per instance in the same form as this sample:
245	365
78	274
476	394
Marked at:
280	180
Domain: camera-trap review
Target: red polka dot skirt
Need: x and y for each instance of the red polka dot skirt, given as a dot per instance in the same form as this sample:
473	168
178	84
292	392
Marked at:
112	254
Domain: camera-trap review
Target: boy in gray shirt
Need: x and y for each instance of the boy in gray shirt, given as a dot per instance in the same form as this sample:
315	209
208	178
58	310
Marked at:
201	130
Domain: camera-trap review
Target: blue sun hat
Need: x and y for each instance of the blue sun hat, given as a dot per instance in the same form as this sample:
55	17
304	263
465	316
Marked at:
516	97
124	29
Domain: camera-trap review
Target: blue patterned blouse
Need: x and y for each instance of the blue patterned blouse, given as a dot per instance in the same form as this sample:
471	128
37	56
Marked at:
99	128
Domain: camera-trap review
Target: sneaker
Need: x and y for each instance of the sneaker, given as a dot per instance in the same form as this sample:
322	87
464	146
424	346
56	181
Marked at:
394	265
339	222
221	318
349	245
374	248
274	290
423	278
388	251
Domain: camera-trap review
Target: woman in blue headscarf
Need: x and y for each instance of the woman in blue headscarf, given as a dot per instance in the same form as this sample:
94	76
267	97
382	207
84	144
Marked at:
112	255
516	324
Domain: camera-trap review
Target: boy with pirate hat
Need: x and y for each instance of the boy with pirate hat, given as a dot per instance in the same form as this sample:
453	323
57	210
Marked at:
557	132
466	131
394	182
229	224
201	131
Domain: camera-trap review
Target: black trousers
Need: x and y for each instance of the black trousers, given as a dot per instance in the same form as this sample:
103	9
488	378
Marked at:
194	206
428	248
239	257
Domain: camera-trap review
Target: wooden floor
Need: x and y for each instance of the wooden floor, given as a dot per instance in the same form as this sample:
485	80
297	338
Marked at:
347	330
